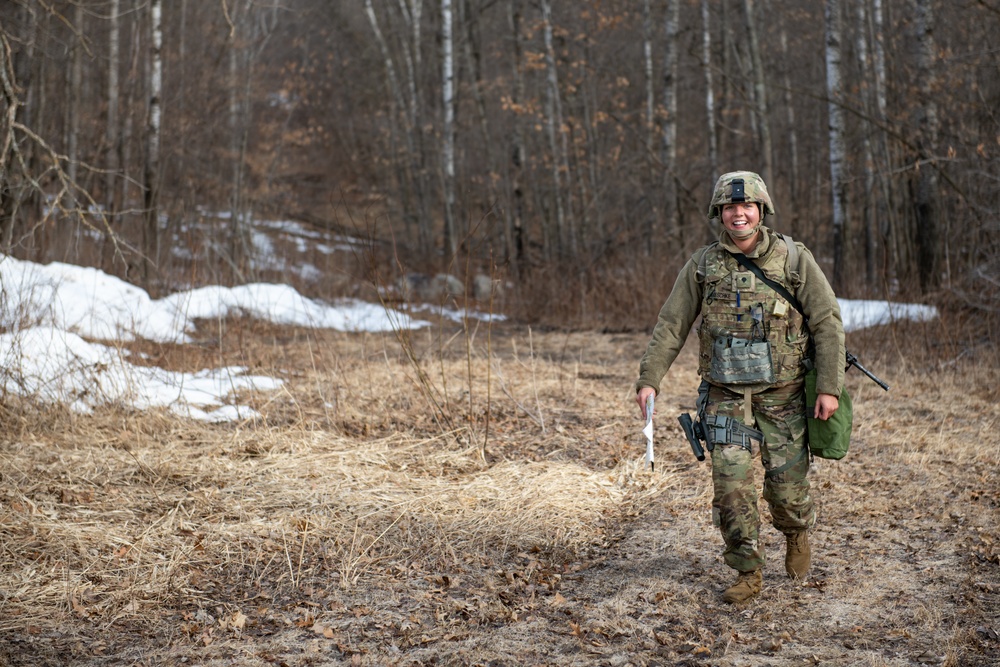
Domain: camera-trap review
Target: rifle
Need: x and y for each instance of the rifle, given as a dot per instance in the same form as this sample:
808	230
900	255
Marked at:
853	361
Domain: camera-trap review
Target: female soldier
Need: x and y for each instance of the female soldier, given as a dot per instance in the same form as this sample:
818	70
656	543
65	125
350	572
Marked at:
754	351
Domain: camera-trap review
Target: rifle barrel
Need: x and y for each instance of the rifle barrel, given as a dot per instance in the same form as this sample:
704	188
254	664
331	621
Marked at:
853	361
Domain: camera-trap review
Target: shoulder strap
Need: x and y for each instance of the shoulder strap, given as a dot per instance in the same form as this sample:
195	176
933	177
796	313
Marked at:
793	253
702	256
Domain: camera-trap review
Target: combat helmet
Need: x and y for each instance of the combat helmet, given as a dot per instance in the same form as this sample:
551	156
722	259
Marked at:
740	186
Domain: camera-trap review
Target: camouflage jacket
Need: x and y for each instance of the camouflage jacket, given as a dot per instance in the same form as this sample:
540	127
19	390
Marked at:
712	296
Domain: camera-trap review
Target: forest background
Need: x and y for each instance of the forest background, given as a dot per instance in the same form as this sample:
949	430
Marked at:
567	149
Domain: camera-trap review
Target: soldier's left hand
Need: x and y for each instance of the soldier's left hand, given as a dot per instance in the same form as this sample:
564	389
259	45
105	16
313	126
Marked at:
826	405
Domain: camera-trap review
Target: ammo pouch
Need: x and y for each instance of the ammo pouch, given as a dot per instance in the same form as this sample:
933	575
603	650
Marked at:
721	430
740	361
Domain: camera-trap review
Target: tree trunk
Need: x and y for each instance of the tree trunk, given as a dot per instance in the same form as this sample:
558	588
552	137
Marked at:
836	136
926	222
151	172
706	65
132	92
650	133
75	96
112	134
868	160
793	140
19	200
647	62
412	11
670	81
517	149
887	210
474	58
182	58
411	185
448	131
764	148
553	126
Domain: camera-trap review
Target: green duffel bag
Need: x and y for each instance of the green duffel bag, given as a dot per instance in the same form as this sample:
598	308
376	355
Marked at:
828	439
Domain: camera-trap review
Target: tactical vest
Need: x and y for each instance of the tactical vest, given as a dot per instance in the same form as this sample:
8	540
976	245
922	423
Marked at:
738	307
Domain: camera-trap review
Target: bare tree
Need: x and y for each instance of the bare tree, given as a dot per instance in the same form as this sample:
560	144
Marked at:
554	128
408	108
793	136
448	129
887	213
151	172
764	147
650	125
112	133
706	67
867	157
670	83
837	129
647	69
517	145
474	62
925	202
75	94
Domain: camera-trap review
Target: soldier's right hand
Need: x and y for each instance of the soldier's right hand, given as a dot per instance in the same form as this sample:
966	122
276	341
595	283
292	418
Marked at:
640	398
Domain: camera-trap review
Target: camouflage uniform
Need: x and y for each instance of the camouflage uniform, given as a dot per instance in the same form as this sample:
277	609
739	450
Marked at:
780	415
733	304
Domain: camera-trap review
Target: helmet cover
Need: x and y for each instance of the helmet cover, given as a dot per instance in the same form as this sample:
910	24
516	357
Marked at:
736	187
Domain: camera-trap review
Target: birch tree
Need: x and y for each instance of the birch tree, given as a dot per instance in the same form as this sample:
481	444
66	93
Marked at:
867	158
670	82
112	133
706	68
448	130
151	171
836	135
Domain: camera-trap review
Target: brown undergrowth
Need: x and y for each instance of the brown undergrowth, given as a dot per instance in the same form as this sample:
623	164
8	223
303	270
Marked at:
493	511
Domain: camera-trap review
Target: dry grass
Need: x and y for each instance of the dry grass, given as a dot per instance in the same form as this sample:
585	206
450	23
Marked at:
493	512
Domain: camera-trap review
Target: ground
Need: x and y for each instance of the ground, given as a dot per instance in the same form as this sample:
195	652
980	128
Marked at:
475	495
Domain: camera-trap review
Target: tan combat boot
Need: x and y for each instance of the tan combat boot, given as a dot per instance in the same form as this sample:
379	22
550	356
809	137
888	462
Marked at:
747	585
797	555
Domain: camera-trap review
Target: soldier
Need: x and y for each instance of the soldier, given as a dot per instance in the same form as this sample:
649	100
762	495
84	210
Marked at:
752	347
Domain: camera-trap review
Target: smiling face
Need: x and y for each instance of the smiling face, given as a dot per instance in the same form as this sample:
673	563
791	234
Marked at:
741	219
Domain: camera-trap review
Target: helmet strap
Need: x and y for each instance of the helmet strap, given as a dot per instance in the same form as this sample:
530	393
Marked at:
745	234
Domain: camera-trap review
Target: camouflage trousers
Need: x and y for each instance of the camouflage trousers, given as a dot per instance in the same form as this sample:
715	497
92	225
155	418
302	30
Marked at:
780	414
